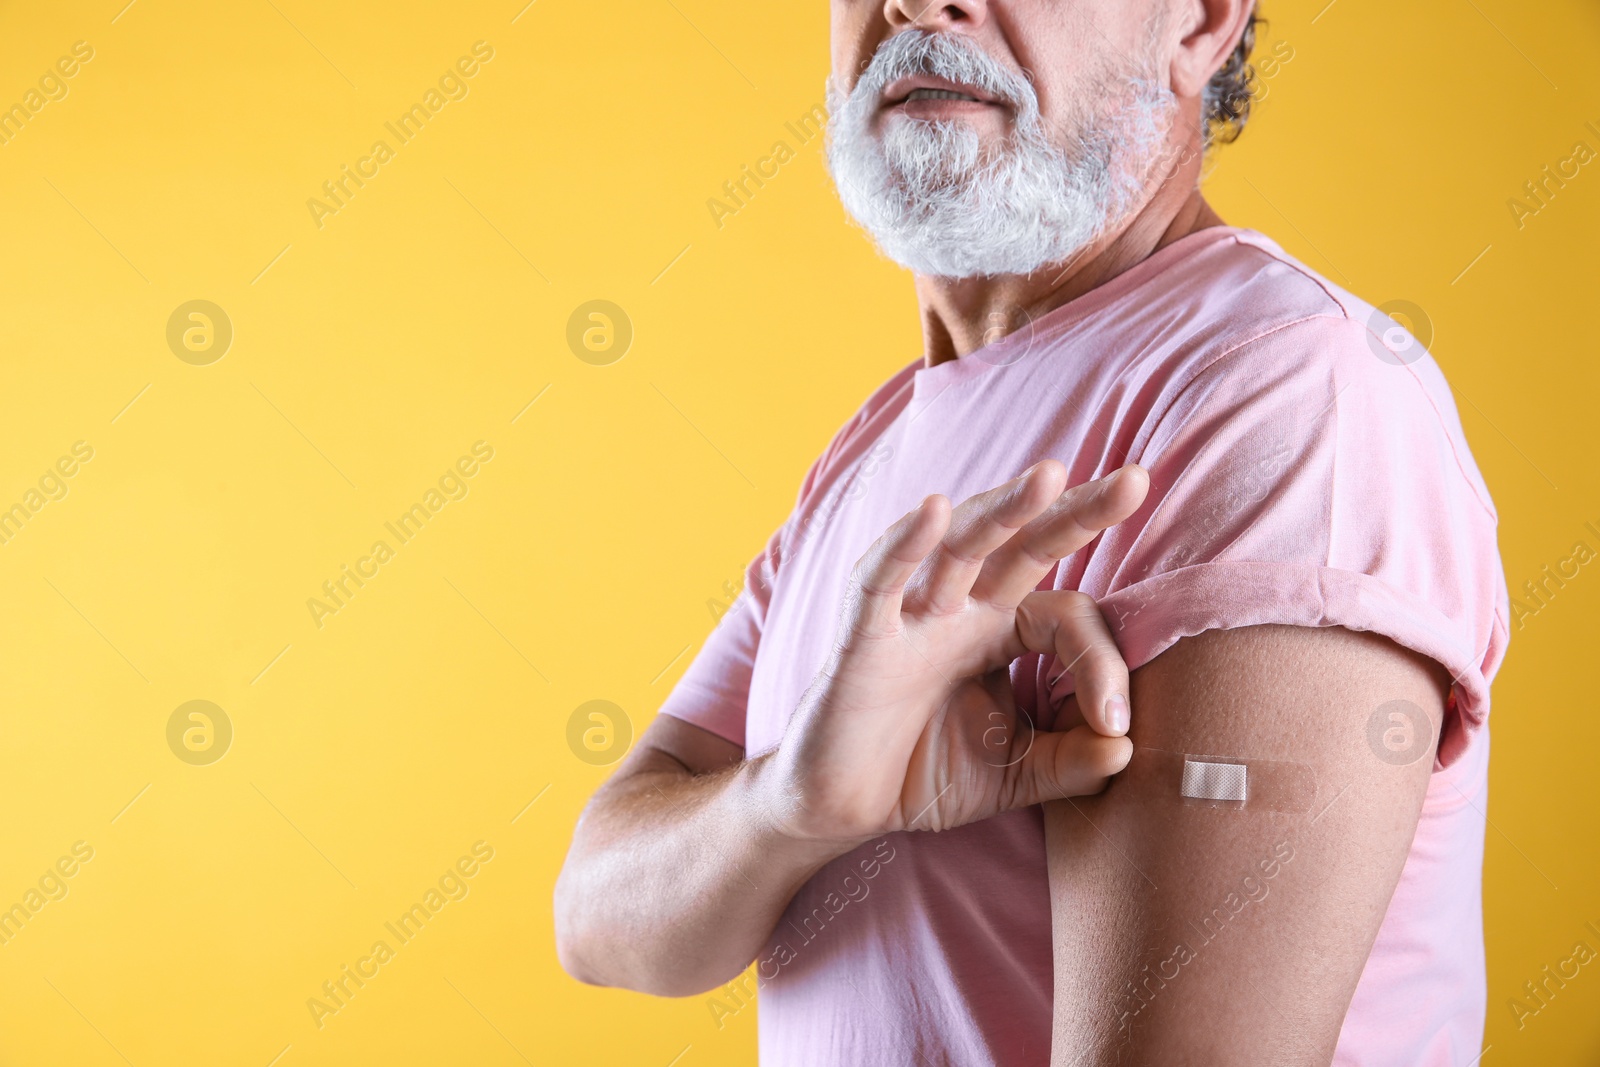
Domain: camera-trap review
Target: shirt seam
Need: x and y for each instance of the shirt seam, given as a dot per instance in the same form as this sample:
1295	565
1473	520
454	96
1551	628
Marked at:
1342	319
1344	313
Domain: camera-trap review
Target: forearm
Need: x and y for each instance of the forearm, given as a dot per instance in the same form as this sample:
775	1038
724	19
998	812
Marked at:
674	881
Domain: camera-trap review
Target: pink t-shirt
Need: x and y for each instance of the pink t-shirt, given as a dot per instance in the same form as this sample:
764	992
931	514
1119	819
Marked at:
1303	472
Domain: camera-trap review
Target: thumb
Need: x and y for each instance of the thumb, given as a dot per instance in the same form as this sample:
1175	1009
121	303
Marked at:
1075	763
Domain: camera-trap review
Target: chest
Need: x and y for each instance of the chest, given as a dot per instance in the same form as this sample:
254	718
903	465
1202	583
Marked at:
970	440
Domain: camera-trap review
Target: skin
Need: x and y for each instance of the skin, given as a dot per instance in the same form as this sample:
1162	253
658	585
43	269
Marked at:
1137	870
1066	48
685	859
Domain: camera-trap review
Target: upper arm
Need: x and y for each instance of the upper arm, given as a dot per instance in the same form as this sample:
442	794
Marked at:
672	743
1205	932
670	748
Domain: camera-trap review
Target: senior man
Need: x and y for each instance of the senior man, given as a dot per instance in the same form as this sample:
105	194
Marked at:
864	783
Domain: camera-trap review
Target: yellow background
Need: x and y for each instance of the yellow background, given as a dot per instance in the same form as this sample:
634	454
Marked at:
368	354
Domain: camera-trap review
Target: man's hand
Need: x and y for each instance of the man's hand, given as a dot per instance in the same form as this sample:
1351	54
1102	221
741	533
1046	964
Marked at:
911	724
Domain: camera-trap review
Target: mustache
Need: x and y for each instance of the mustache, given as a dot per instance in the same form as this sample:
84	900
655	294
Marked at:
941	55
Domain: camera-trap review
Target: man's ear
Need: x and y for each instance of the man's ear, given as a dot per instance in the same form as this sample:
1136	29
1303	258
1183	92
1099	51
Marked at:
1211	30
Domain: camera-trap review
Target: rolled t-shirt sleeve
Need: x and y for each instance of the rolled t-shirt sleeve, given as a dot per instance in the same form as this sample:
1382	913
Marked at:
1300	479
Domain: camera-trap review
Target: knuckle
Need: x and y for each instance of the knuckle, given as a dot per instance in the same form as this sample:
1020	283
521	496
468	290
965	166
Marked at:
1073	605
1096	657
1077	599
953	554
1033	552
1030	613
1078	497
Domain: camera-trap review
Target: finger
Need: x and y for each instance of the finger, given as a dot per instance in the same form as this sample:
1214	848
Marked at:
872	602
1012	571
1076	763
1069	624
979	526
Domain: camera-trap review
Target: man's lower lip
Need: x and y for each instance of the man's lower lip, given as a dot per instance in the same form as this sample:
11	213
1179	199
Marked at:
936	104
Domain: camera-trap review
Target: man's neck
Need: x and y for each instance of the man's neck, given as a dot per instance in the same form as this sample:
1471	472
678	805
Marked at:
962	315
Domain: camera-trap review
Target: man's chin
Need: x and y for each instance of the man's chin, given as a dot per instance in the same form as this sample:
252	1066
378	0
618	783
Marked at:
958	241
946	187
952	263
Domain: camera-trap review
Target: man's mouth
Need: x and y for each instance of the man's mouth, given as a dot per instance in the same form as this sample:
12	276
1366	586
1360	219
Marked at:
926	95
939	94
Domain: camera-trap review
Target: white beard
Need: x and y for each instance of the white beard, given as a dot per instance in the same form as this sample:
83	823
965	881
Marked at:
933	202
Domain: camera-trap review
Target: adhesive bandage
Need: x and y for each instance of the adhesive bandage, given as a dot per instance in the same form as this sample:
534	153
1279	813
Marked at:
1215	781
1228	781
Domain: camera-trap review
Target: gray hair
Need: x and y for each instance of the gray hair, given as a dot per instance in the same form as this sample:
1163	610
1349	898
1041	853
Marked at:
1226	99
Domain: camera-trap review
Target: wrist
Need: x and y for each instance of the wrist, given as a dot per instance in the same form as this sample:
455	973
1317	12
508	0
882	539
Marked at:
781	822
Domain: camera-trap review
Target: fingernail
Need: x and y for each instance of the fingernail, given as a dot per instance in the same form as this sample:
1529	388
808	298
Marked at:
1117	717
